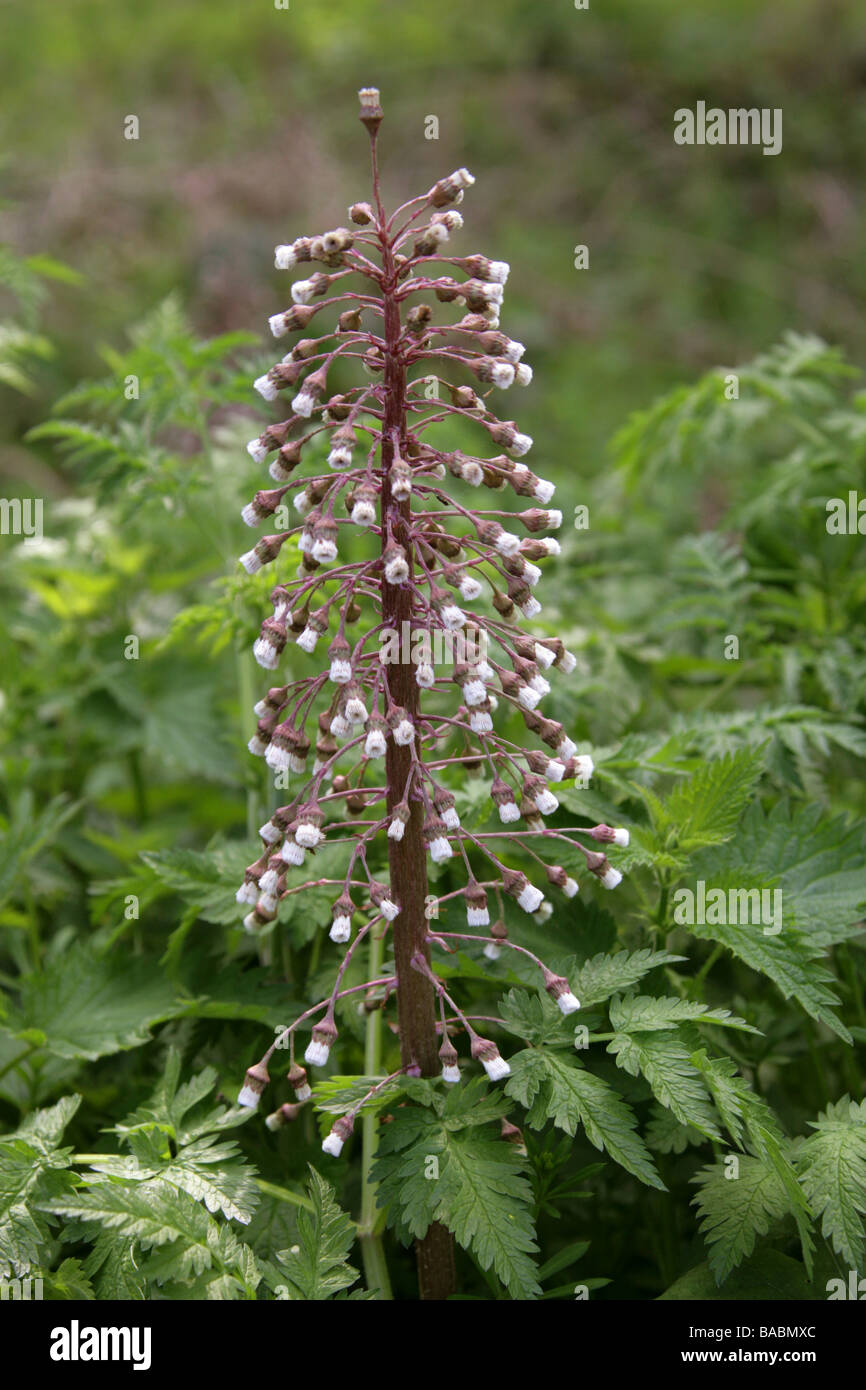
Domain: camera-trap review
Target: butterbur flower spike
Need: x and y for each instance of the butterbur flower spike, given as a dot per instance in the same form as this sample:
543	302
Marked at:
400	536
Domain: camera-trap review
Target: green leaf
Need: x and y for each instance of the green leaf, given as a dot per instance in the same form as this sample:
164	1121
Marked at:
453	1169
31	1170
597	979
645	1013
735	1211
832	1168
663	1059
554	1085
316	1267
816	861
87	1005
704	810
768	1276
172	1138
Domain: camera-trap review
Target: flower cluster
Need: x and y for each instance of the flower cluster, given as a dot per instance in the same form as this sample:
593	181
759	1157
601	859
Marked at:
372	761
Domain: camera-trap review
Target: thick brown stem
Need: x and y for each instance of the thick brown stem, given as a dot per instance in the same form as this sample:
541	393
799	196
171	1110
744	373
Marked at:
407	857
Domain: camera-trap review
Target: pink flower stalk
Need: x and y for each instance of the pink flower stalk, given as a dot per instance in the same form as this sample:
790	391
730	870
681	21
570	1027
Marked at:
385	717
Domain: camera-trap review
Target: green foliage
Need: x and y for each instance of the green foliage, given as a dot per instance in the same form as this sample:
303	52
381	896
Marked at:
444	1161
316	1268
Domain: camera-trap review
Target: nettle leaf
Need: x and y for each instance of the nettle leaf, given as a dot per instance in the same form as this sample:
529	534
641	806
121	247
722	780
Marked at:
316	1268
597	979
645	1013
554	1085
816	862
455	1169
704	809
88	1005
832	1168
663	1059
735	1211
32	1168
789	959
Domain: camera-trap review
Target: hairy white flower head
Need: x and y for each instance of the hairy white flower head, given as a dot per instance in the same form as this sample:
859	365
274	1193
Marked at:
509	812
356	710
568	1003
520	445
470	588
265	653
474	692
341	930
502	375
546	802
531	898
496	1067
397	570
480	722
332	1144
452	616
308	639
404	733
440	850
340	457
317	1053
611	877
284	257
584	767
308	836
265	387
250	561
340	672
374	744
257	451
450	1075
303	404
292	853
302	291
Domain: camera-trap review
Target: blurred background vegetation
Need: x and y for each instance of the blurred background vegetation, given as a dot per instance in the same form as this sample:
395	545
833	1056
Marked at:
124	257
